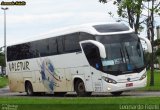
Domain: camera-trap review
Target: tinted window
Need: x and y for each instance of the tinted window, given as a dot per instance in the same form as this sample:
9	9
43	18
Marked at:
85	36
46	47
11	53
111	28
60	44
71	42
53	47
18	52
43	47
33	49
24	51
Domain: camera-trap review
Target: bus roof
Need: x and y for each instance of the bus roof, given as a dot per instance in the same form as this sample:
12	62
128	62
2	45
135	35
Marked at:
102	28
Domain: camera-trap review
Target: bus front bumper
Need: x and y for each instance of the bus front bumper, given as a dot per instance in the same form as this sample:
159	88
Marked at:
109	87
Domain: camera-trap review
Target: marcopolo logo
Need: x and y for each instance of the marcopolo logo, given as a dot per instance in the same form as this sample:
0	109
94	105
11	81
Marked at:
12	3
128	79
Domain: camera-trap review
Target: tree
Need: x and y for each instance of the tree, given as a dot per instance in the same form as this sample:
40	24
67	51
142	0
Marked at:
157	52
132	11
154	9
157	44
2	60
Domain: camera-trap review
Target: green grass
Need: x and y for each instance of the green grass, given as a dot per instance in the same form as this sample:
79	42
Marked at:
3	81
92	103
156	86
82	100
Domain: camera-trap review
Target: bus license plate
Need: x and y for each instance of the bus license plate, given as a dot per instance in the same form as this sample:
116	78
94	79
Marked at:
129	84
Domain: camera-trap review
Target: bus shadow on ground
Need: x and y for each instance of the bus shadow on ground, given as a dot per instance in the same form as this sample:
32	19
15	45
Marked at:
72	95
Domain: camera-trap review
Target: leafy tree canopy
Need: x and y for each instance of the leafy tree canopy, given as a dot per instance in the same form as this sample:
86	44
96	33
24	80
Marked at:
132	10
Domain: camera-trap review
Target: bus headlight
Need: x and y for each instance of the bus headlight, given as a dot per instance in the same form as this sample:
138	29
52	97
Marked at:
109	80
143	76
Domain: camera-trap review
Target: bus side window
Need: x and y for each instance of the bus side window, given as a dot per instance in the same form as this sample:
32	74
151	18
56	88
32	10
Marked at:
71	43
85	36
60	45
53	46
34	50
41	46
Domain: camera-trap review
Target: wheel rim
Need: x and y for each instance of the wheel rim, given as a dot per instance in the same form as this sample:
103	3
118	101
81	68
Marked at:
29	91
81	87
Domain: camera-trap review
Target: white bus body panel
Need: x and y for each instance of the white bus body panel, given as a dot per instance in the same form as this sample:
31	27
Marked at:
62	77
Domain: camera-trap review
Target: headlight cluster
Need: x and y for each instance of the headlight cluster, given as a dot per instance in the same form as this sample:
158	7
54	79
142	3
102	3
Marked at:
143	76
109	80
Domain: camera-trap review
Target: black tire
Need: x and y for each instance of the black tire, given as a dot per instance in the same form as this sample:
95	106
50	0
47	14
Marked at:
117	93
88	93
80	89
39	93
59	93
29	89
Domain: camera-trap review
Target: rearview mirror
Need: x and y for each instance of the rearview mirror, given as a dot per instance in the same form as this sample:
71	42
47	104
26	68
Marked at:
149	46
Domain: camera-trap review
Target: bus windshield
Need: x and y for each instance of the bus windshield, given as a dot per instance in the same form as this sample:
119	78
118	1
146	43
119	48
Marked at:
124	54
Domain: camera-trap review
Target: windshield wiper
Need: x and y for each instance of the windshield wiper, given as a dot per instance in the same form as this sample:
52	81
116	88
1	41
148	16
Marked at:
127	54
130	58
121	55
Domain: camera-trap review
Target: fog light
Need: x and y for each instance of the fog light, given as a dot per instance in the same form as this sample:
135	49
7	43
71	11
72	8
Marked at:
109	88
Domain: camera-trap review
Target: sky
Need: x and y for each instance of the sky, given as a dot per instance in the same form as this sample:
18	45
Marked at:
41	16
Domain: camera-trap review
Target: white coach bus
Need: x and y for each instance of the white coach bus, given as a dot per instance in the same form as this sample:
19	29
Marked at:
88	58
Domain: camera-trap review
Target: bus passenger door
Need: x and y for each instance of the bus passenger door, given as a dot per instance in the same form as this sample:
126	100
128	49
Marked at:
93	56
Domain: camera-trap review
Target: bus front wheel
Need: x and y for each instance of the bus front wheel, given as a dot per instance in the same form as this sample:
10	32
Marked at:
29	89
80	89
117	93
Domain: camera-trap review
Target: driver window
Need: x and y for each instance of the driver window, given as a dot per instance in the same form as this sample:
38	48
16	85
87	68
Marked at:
93	55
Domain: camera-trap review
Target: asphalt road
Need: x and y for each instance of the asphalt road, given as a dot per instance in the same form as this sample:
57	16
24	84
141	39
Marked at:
5	92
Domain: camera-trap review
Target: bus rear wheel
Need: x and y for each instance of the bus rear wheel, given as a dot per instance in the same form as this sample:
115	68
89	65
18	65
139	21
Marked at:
29	89
117	93
80	89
